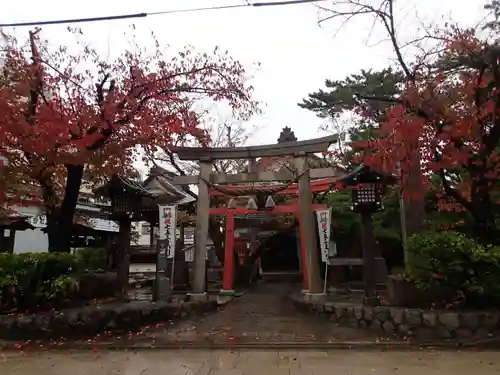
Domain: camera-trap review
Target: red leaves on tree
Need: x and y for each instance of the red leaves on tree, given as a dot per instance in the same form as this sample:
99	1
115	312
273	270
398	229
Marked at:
59	108
448	116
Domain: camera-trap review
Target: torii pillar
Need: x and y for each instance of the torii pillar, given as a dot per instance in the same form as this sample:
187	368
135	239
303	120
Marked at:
306	218
199	292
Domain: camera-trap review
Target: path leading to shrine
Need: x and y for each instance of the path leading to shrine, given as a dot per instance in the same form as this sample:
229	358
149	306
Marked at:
250	362
263	315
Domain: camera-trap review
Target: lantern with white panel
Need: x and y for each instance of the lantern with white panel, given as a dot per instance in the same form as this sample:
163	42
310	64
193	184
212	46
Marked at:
367	196
367	189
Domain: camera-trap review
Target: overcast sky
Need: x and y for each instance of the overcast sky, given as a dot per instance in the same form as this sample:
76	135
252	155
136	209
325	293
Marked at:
296	55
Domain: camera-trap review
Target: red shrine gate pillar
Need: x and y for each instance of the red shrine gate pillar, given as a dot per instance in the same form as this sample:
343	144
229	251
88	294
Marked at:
303	257
228	277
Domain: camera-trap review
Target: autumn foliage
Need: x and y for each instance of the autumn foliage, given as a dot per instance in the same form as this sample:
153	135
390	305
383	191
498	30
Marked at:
449	116
61	111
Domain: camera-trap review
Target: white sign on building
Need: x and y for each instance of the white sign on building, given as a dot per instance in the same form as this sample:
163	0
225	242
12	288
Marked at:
39	221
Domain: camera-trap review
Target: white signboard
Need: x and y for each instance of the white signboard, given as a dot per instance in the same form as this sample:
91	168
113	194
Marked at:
38	221
168	224
324	224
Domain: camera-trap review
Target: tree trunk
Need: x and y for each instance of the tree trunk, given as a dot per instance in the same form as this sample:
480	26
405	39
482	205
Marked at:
52	230
485	228
50	203
481	208
414	203
64	225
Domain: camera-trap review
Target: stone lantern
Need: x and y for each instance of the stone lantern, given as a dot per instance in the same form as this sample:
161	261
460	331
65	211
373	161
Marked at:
367	188
127	198
366	191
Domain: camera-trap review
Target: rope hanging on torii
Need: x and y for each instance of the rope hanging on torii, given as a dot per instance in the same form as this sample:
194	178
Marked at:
249	191
254	190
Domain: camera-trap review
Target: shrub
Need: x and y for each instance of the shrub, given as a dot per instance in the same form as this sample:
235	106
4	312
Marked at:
90	258
33	279
30	281
451	261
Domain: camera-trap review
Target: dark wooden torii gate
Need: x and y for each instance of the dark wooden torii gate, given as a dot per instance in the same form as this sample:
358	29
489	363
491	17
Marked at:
300	150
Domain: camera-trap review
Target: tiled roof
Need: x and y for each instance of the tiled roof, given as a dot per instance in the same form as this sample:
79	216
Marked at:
164	179
128	184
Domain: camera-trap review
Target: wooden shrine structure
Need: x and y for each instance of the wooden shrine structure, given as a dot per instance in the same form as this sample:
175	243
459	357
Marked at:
135	201
296	182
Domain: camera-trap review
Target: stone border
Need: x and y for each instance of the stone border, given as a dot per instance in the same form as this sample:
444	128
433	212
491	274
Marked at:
91	320
422	325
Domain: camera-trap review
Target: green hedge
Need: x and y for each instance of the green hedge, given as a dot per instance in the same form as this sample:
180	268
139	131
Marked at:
90	259
450	260
30	281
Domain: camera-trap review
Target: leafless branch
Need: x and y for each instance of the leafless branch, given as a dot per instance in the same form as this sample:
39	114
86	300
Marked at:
383	12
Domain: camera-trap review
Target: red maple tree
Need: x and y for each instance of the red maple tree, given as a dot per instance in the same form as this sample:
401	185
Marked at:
450	116
63	114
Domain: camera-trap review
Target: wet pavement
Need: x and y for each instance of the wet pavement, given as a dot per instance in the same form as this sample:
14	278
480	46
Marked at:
203	362
263	315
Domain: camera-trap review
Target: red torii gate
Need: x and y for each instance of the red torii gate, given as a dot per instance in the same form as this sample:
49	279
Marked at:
230	239
229	243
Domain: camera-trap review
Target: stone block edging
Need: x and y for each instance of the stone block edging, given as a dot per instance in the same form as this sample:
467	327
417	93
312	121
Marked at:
421	324
91	320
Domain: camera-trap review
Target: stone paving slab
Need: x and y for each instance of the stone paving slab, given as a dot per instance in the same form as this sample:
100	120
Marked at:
202	362
264	315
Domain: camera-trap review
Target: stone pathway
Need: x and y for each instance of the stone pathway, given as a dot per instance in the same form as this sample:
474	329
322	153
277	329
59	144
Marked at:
200	362
263	315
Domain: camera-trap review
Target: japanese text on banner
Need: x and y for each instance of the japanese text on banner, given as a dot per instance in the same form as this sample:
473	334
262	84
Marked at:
168	225
324	224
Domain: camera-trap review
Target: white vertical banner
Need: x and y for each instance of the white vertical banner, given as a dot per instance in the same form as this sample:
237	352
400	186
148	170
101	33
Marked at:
168	225
324	218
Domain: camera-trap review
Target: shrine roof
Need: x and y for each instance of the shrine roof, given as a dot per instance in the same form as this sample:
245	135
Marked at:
16	222
128	185
159	182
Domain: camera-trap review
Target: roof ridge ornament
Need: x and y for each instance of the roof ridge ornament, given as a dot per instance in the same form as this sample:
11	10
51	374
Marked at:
287	135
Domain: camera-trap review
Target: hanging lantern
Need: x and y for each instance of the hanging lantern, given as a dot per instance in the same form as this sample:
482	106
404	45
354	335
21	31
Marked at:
251	204
367	188
270	202
241	250
232	203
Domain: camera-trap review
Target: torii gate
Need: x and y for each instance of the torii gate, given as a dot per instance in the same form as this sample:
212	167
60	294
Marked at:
300	150
293	208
